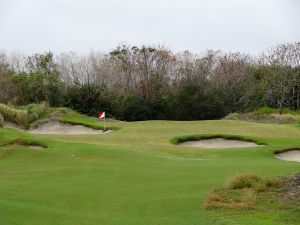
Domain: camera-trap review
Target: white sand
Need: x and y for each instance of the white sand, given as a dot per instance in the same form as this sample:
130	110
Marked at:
218	143
55	127
292	155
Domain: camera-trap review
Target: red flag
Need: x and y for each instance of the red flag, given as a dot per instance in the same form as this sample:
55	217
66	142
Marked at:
101	115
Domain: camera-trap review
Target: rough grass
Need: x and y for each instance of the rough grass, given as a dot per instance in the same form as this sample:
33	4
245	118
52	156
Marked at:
242	192
1	120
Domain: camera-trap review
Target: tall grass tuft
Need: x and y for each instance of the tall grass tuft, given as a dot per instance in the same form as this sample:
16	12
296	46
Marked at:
13	115
244	181
24	115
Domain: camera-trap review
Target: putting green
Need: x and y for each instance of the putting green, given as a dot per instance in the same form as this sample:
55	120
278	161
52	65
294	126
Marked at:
135	176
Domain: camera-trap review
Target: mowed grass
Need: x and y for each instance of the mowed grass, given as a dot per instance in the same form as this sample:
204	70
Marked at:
135	176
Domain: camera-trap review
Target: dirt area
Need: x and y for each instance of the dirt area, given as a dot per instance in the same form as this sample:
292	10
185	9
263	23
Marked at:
292	155
291	187
218	143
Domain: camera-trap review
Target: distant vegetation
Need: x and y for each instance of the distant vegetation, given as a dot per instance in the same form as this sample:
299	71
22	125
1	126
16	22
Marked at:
144	83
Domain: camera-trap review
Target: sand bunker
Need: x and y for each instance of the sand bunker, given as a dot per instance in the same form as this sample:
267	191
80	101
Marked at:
55	127
292	155
12	125
218	143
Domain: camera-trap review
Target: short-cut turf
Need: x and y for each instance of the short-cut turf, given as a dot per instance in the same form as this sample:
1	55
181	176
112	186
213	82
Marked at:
135	176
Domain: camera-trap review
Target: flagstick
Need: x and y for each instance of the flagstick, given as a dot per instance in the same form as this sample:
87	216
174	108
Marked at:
104	124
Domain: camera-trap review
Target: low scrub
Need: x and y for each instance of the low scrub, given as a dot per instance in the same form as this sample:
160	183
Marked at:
267	115
242	192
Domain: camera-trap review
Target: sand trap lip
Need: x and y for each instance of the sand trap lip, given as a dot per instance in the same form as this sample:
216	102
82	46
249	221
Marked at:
55	127
218	143
35	147
291	155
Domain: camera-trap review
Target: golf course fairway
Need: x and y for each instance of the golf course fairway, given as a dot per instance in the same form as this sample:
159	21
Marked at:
136	176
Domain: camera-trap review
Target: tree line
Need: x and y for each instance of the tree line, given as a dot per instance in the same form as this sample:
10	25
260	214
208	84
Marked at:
140	83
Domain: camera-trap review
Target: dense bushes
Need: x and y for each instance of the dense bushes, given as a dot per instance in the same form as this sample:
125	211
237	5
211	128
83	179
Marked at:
188	104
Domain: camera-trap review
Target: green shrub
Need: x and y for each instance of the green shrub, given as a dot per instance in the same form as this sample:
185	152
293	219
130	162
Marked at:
33	117
39	109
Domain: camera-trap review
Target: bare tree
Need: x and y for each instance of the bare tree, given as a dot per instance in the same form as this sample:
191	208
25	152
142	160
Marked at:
231	78
8	91
281	63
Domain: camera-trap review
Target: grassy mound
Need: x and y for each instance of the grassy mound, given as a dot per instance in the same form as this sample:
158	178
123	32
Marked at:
78	119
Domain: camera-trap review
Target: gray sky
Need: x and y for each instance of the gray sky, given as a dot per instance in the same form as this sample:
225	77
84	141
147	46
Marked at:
249	26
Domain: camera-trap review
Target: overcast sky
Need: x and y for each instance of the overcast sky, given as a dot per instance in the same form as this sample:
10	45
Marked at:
249	26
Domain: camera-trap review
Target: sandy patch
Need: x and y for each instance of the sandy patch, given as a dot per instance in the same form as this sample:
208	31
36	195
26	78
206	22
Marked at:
292	155
55	127
218	143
